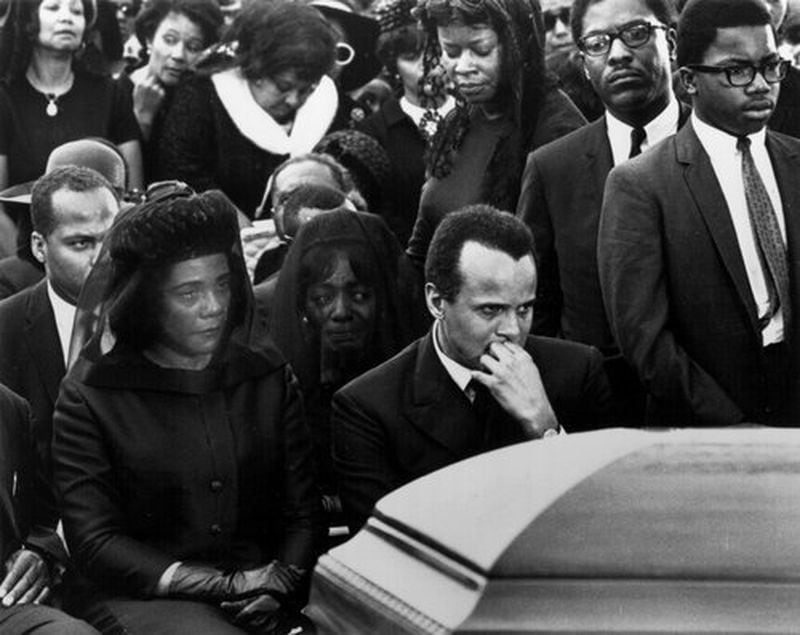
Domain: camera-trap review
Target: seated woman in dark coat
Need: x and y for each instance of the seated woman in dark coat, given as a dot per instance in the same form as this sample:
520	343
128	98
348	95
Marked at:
180	448
340	309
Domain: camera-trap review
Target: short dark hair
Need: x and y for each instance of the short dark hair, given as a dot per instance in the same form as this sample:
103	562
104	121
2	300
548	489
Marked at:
664	10
206	14
274	37
700	19
483	224
69	177
407	40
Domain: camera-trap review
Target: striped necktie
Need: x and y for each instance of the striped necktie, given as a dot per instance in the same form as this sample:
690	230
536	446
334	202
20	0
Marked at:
769	241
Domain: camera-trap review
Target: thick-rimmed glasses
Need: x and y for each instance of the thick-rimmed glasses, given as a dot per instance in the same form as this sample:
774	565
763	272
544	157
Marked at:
740	75
633	35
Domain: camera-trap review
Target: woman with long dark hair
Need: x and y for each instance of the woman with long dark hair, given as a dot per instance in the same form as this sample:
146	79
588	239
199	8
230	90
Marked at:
493	53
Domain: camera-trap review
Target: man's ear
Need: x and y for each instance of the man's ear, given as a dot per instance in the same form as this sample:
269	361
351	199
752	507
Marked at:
672	43
434	300
688	79
583	66
38	247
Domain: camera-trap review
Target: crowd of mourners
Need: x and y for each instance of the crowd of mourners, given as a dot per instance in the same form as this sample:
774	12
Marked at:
265	261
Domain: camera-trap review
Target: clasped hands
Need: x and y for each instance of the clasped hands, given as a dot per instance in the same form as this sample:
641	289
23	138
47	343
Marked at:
514	381
27	579
256	597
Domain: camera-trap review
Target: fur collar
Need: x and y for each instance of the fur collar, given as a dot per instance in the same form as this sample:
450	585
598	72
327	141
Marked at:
311	121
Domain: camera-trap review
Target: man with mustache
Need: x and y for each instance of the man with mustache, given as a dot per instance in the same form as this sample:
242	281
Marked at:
476	381
626	46
699	238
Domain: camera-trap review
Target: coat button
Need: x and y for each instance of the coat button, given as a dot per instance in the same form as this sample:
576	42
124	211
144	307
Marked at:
215	485
215	529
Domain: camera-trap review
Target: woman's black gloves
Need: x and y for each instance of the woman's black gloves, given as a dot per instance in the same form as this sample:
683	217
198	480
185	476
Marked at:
201	582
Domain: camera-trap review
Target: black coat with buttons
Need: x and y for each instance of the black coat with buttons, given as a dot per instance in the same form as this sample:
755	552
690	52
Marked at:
156	465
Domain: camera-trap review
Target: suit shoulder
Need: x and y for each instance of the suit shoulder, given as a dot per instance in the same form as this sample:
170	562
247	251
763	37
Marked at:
385	377
789	142
562	351
13	307
564	148
651	162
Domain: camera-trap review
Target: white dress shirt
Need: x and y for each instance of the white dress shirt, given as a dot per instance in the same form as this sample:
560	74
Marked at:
416	112
458	373
658	129
64	313
727	163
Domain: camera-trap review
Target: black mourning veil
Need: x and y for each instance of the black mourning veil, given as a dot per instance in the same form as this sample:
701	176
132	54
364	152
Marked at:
366	240
173	224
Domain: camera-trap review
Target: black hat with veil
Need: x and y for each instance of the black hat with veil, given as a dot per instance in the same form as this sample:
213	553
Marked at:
118	303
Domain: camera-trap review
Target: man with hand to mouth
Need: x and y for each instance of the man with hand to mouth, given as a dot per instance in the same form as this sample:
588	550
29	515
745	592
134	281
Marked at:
477	381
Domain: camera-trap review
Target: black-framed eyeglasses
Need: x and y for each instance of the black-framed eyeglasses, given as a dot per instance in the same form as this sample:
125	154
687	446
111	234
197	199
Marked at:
551	17
739	75
633	35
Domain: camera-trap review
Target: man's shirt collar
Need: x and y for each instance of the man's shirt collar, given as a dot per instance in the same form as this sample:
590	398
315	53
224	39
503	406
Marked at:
460	374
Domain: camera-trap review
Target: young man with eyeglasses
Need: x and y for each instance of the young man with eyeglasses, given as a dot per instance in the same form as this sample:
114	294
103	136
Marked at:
626	46
699	238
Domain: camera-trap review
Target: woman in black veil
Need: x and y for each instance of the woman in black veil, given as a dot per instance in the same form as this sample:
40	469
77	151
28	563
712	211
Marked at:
181	452
342	307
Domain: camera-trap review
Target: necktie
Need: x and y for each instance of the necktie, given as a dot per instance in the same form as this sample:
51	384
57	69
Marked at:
482	408
768	235
638	135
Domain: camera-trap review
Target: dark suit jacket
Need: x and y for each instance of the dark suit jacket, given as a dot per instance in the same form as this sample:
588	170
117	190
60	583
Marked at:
675	285
17	274
405	146
31	362
27	506
407	417
786	118
562	191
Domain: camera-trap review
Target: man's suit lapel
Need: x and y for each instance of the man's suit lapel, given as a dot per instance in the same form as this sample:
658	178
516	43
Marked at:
707	194
598	162
41	335
786	164
436	407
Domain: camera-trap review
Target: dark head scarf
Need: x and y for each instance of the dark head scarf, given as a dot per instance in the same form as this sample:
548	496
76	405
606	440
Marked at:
116	303
375	258
373	253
